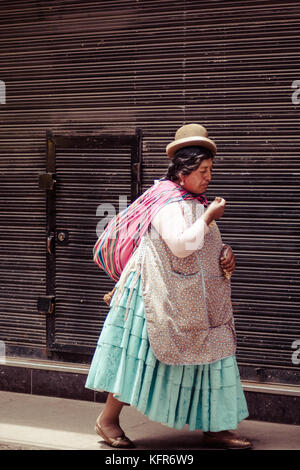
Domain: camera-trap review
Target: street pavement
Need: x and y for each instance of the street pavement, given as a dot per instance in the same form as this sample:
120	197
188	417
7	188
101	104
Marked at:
32	422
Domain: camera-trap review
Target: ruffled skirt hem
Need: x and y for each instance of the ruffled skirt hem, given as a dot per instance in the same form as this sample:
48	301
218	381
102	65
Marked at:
205	396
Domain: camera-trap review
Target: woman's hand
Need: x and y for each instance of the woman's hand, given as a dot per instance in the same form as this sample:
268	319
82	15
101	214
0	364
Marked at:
215	210
227	260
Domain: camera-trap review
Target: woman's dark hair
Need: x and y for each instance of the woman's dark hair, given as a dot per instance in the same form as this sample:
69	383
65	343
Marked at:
186	160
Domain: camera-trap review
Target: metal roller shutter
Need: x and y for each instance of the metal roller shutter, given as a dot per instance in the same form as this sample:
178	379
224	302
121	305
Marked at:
237	62
22	260
82	67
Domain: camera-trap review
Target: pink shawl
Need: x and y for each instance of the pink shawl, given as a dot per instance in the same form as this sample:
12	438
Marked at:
124	232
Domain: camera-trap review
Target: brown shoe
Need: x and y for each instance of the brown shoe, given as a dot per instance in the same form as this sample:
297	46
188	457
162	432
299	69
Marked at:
225	440
116	442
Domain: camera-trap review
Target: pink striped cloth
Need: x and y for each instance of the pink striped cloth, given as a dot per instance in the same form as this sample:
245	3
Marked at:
123	233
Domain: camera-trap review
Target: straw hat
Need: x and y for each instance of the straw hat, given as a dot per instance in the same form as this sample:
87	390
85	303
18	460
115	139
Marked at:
191	134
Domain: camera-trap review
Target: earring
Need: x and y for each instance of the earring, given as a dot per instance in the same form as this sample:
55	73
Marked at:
181	183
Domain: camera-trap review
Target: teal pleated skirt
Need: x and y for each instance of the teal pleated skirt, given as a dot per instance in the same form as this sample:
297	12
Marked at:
208	396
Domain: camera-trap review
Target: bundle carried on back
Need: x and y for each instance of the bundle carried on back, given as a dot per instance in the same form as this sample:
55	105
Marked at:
123	233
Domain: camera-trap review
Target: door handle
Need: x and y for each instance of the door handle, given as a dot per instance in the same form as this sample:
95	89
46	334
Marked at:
50	244
62	237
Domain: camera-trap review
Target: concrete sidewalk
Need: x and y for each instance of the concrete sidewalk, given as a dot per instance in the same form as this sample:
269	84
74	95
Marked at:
39	422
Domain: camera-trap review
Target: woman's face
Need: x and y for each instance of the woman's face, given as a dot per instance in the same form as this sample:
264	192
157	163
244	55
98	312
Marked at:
197	181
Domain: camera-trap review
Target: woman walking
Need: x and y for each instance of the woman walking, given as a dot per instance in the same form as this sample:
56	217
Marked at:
168	343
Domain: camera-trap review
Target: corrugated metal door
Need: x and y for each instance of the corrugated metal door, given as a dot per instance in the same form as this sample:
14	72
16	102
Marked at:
93	179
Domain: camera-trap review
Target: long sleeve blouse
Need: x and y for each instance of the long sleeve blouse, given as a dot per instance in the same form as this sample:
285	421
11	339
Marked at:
182	239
